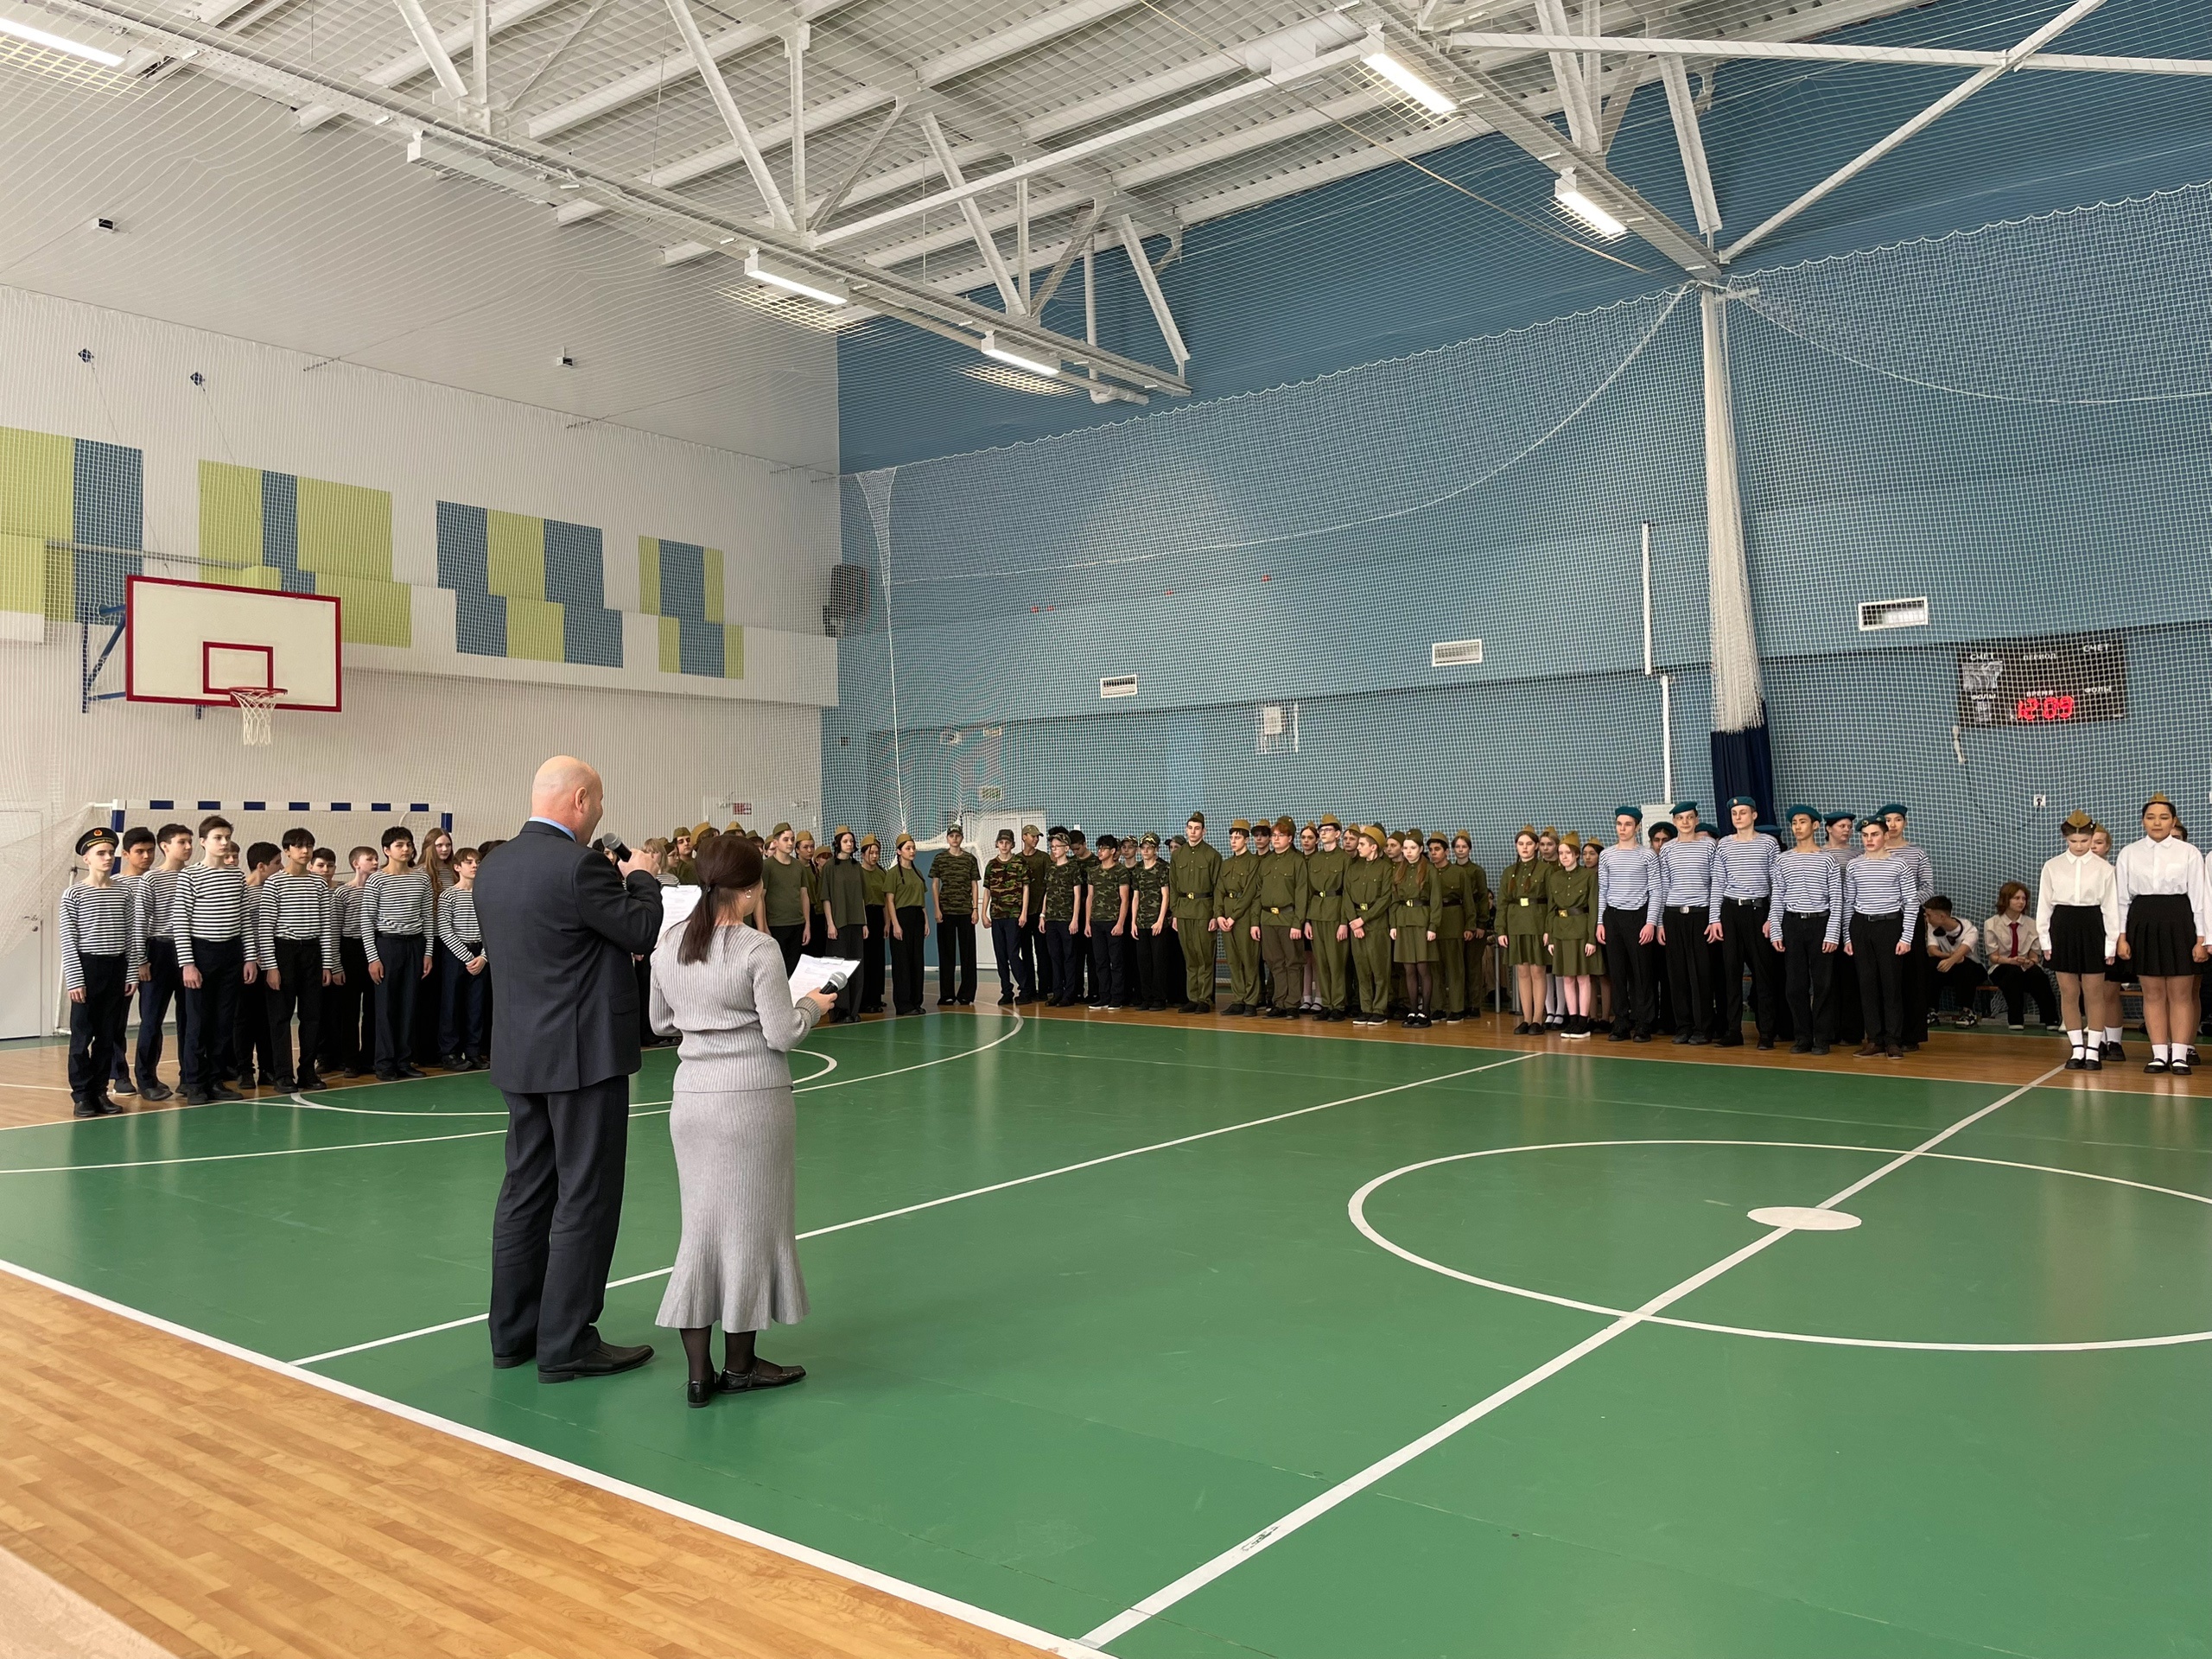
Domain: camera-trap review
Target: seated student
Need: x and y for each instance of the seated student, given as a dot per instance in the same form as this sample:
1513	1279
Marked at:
99	964
1951	964
2012	948
461	1033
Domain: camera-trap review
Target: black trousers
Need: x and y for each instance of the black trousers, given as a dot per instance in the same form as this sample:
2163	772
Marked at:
461	1028
850	946
871	962
787	940
1960	980
1014	980
1078	967
2018	984
1060	944
429	999
1107	983
204	1041
553	1231
1689	968
1635	971
906	961
1745	947
160	986
251	1051
298	989
955	959
96	1024
1036	956
1881	976
1849	1024
402	956
1808	975
349	1012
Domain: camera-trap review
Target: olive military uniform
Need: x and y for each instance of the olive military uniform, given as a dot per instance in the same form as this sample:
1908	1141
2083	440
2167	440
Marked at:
1236	898
1450	883
1282	917
1570	916
879	934
1063	891
1521	892
1325	914
1193	873
1367	901
1413	912
1033	865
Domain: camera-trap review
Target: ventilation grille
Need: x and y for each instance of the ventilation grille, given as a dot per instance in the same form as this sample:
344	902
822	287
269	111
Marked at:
1892	613
1118	685
1455	653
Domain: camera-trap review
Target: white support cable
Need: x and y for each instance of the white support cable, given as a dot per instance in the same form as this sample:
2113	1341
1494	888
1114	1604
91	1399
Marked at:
1681	104
1919	123
1150	279
710	72
433	49
986	243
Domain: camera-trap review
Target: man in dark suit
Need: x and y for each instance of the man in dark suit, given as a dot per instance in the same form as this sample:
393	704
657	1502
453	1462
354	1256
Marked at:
560	926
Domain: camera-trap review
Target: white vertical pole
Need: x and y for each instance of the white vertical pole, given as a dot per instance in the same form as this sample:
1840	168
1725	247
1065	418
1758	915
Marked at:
1647	597
479	46
1667	737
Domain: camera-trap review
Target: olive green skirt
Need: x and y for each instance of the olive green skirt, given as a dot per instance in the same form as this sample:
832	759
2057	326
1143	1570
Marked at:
1527	951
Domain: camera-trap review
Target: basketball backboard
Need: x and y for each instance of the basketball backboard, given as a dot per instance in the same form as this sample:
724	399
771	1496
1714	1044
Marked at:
196	642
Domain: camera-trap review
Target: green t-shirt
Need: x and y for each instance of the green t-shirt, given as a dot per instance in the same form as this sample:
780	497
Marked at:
785	897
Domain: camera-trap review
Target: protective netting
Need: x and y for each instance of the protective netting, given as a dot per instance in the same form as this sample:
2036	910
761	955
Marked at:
2006	423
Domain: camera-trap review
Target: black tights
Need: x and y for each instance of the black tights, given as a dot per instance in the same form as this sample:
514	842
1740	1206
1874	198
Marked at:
1418	975
737	1347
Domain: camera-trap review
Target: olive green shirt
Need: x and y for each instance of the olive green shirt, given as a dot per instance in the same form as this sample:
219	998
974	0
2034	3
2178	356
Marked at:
1194	871
786	897
956	875
907	889
1367	892
1413	897
1324	885
878	883
1150	887
845	891
1481	907
1450	884
1237	891
1282	889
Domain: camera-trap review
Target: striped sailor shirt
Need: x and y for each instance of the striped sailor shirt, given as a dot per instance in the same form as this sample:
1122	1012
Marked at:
154	903
394	901
1881	885
348	907
1923	872
1806	884
297	907
1628	879
1686	871
457	926
1743	868
96	922
211	906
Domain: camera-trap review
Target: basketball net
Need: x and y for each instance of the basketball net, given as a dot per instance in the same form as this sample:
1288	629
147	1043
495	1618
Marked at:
256	704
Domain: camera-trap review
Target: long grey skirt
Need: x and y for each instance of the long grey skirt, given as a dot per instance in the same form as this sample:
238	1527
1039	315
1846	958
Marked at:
737	1263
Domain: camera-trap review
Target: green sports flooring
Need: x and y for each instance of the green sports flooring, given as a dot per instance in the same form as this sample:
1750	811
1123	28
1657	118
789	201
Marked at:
1054	1399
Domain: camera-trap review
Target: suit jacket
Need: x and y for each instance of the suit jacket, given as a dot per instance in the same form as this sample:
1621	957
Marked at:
560	926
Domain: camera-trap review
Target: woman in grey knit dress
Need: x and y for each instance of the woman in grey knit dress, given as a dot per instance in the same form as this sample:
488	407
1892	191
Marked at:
721	985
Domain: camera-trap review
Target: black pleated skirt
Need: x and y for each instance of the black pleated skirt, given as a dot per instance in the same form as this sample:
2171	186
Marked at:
2077	939
2161	936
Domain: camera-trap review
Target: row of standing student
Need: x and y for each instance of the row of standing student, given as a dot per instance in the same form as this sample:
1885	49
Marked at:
249	949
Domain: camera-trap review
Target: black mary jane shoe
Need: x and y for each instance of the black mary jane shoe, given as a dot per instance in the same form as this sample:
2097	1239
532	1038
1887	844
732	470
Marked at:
2177	1068
2077	1063
761	1373
2155	1066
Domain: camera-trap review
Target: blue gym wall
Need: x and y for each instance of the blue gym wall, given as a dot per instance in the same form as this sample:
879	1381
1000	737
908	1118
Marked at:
2025	448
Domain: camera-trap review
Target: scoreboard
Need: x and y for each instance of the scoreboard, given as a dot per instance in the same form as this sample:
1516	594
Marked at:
2059	681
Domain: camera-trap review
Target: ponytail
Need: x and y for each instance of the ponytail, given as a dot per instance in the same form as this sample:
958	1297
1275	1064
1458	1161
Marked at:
726	866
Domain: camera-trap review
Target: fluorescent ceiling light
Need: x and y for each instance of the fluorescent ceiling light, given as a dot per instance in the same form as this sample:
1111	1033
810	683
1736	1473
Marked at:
1571	195
59	43
1410	82
992	349
766	267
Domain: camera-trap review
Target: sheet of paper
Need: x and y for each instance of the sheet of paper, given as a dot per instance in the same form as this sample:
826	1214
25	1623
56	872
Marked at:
676	905
820	973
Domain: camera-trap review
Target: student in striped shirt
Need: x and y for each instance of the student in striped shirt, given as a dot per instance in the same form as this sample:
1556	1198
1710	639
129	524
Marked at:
1843	987
1686	891
131	865
99	964
298	916
396	925
460	1016
1741	900
349	1010
1881	902
215	959
1806	924
161	982
256	1057
1919	971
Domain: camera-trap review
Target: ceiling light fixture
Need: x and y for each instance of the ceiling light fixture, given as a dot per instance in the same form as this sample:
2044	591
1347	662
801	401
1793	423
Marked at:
766	268
991	349
1411	83
1570	194
59	43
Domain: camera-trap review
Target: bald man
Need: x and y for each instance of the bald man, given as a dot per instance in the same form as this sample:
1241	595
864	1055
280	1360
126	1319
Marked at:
560	926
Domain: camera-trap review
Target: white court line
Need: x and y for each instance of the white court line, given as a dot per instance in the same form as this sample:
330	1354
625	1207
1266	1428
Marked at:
972	1192
852	1572
1122	1623
43	1088
921	1065
830	1065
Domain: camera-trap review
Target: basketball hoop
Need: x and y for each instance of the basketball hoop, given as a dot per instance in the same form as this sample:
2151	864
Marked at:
256	703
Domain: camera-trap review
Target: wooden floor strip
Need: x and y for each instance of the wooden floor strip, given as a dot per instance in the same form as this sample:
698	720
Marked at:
222	1505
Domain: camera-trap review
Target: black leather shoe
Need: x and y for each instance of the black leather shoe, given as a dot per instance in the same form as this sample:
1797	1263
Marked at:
412	1072
699	1394
308	1080
224	1091
606	1360
155	1091
123	1086
508	1362
762	1374
87	1109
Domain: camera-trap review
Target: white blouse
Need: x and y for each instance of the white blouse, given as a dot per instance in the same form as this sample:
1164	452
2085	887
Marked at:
2149	869
2070	881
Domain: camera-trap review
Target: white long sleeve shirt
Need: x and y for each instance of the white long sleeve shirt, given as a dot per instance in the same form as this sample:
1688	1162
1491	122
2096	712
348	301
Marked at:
2149	869
2070	881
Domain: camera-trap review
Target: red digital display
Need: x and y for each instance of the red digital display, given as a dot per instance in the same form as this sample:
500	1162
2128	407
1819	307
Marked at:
2058	707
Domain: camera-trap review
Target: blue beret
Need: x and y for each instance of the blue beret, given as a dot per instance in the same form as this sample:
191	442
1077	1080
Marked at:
1846	816
1894	807
1877	822
1683	806
1636	812
1735	801
1805	812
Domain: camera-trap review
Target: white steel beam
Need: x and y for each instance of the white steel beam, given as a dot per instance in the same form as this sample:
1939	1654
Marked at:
795	41
1920	123
1282	46
480	67
986	240
433	49
409	65
711	73
1626	79
1149	280
820	216
1681	104
1567	70
1824	51
1079	242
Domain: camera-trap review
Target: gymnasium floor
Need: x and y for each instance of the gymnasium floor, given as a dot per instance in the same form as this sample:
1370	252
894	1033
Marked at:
1469	1343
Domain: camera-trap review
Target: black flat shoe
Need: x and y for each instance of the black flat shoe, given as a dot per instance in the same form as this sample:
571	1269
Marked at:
699	1394
2177	1068
226	1092
155	1091
310	1080
762	1374
2076	1063
121	1086
606	1360
508	1362
87	1109
2155	1065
